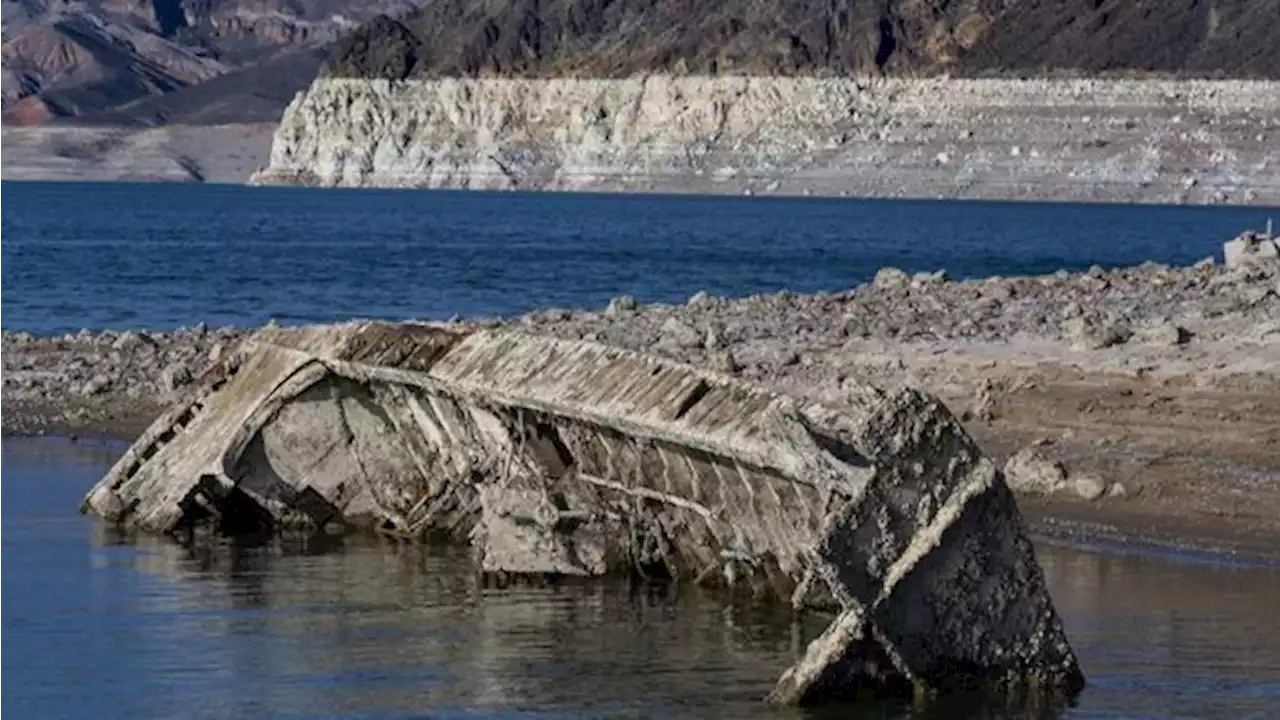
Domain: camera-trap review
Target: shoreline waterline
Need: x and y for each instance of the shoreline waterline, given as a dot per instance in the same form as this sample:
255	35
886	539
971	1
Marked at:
1100	388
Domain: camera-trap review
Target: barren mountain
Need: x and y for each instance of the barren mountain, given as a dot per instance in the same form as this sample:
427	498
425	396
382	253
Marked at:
135	62
604	38
83	58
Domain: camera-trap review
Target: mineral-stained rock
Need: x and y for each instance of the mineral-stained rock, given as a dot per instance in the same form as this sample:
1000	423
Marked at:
568	457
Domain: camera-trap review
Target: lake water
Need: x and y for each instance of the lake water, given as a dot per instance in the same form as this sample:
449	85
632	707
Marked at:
159	256
97	626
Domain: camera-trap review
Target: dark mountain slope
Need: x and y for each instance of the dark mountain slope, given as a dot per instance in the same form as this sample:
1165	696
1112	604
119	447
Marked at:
1216	38
615	38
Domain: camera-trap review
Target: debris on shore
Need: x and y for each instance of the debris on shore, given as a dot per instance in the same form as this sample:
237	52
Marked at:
568	457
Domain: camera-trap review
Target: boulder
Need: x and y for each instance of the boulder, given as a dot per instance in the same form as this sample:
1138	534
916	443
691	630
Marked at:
96	385
1088	486
1034	471
1164	335
676	334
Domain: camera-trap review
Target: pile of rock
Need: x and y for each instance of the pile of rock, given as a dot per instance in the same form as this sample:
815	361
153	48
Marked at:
1153	306
64	380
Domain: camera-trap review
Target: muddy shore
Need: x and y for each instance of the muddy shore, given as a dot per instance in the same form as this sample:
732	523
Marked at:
1136	405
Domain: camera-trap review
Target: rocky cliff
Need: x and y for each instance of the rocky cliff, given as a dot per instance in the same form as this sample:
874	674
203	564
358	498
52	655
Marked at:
800	96
1137	140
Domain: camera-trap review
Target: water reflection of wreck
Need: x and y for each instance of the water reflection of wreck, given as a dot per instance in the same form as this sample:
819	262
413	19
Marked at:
560	457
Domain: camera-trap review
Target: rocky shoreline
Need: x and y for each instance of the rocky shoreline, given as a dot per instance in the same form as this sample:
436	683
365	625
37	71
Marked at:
1136	404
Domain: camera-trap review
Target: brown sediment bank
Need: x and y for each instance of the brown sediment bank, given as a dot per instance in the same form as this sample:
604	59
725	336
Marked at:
1143	404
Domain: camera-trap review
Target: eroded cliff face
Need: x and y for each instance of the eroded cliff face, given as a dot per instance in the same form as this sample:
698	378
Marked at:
799	96
1147	140
559	133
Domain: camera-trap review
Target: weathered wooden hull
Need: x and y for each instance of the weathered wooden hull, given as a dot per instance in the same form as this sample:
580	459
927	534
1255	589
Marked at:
562	457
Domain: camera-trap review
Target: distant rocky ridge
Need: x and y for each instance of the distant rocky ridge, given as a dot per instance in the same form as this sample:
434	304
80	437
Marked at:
102	61
587	38
763	96
1169	141
970	98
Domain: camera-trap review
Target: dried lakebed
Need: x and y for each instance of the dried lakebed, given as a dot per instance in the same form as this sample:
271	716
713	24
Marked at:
1137	404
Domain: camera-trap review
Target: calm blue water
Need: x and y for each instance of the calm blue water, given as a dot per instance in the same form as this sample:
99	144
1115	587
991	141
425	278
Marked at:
160	256
97	626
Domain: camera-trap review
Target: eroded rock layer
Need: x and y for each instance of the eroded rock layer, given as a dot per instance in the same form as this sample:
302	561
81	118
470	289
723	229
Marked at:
1143	140
569	457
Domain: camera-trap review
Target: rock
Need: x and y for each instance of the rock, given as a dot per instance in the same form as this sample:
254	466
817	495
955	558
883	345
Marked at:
621	305
216	353
723	361
174	377
1088	486
1164	335
1204	264
1031	470
96	385
1090	332
891	278
1250	249
676	334
998	289
1117	490
984	402
129	341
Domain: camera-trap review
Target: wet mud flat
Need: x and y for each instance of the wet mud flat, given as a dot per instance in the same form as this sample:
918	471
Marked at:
1135	405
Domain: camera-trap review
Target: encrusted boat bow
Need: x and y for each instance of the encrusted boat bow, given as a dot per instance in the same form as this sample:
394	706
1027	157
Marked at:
564	457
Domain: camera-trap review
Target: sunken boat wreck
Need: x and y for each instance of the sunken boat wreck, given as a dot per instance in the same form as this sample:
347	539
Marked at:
573	458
